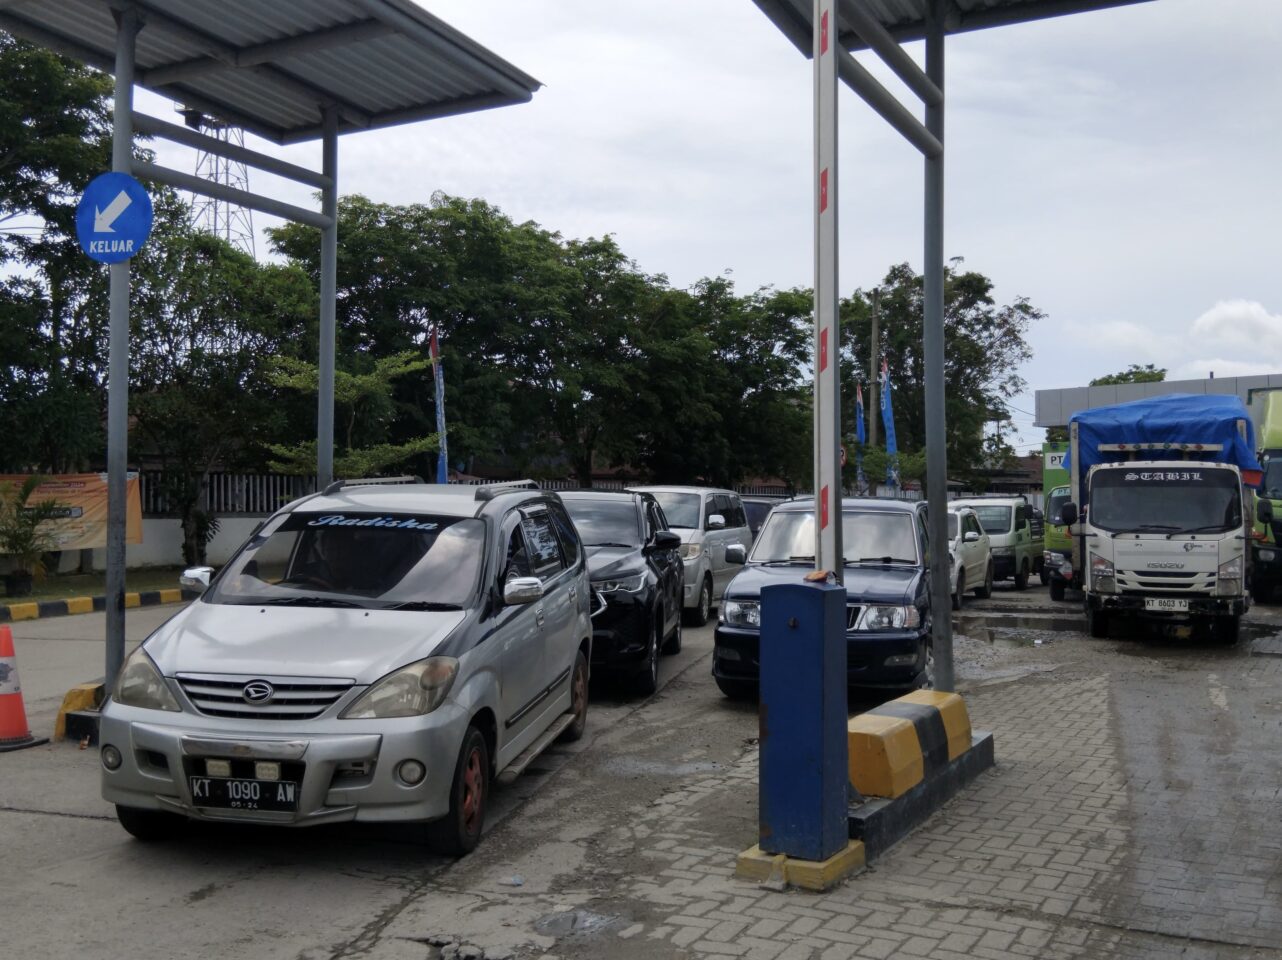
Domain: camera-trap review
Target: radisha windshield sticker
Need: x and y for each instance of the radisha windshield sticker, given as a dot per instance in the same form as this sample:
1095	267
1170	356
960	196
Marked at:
387	523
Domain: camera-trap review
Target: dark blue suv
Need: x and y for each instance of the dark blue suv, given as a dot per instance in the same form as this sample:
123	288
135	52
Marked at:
886	574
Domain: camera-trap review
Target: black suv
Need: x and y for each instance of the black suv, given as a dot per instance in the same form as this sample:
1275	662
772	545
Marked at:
638	580
887	583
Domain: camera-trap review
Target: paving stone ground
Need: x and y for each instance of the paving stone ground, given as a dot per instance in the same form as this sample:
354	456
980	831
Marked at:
1133	812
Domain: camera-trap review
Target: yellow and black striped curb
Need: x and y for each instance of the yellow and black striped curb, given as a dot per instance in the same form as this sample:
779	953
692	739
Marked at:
907	758
39	609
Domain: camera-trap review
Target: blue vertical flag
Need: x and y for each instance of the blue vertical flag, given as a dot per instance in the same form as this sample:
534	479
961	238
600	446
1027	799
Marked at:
888	420
860	433
438	375
861	483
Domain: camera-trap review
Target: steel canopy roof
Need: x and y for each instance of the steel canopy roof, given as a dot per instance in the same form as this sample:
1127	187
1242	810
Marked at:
906	19
273	67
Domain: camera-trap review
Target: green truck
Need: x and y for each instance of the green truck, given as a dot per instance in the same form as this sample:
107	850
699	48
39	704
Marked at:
1058	546
1266	547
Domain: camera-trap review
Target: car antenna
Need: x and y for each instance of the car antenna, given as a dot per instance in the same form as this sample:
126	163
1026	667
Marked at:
333	487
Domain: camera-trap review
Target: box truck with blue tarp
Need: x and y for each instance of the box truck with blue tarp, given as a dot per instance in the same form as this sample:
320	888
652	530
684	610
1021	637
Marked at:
1163	511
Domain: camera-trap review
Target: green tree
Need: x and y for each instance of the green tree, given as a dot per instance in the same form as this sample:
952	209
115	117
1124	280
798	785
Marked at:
206	319
362	404
1133	374
984	347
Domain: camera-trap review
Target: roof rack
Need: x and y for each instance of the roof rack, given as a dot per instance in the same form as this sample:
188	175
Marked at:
489	491
367	481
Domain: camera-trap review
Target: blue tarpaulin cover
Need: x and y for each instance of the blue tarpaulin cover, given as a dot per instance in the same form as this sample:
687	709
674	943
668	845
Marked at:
1174	418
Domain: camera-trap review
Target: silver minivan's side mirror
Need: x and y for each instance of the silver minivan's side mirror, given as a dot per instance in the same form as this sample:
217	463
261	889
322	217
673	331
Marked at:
716	521
736	554
196	578
521	590
971	537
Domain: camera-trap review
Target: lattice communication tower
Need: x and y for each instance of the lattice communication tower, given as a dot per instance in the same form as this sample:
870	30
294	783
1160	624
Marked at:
233	223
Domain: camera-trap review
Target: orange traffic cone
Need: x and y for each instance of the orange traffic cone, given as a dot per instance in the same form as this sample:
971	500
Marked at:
14	732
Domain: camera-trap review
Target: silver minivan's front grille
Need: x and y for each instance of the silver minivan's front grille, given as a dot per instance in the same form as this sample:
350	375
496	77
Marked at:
262	698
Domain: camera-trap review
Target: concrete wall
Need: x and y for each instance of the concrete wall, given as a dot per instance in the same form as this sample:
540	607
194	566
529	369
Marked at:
162	544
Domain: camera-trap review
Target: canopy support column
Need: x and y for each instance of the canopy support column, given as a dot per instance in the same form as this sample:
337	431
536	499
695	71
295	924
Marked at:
122	142
328	288
933	347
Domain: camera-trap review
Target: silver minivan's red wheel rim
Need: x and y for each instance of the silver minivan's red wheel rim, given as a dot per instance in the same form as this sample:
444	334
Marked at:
473	791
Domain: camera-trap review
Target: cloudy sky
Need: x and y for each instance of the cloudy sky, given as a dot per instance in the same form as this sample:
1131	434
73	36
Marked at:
1121	169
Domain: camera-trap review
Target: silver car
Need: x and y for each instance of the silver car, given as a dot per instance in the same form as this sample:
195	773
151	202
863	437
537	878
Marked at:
372	653
709	519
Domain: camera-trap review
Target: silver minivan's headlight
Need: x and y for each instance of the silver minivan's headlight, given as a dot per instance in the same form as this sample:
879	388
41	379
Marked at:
889	618
141	685
408	692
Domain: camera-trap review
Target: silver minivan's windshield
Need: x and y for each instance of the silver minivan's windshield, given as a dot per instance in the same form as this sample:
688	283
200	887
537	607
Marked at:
1198	500
789	537
374	561
682	509
993	519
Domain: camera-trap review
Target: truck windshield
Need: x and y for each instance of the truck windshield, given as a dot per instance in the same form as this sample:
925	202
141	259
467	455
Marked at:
1272	486
994	519
372	561
1055	505
1200	500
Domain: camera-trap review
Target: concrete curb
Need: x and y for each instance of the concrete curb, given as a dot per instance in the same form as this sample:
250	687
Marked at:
40	609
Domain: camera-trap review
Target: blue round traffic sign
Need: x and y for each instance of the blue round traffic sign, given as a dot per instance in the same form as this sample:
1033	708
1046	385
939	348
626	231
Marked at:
113	219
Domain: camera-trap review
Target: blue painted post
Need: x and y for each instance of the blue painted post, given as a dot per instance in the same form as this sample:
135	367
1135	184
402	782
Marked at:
803	720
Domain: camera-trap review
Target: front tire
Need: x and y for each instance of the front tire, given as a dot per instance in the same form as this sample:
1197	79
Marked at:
1021	578
459	831
737	689
1226	629
1043	573
673	643
1097	622
578	700
703	609
647	678
986	591
1057	589
1261	592
150	826
958	593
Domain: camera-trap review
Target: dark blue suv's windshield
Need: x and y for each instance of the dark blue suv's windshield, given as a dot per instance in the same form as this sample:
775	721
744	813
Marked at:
867	536
369	560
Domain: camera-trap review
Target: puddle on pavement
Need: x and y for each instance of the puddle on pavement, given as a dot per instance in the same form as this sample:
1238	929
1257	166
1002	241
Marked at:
1008	638
579	922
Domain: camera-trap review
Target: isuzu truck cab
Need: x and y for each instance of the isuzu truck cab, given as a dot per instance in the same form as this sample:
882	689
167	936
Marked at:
1165	517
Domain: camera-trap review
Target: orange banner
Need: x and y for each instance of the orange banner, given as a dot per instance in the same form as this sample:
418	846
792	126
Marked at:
83	498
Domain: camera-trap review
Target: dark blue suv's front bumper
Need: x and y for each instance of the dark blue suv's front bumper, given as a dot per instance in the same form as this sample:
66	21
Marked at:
736	656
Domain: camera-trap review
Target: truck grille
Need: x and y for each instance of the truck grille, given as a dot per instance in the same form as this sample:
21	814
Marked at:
1166	581
292	698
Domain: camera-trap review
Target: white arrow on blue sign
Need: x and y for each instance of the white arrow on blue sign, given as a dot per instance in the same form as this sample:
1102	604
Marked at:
113	218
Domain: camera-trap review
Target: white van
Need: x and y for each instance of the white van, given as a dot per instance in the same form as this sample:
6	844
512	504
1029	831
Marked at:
709	519
1008	521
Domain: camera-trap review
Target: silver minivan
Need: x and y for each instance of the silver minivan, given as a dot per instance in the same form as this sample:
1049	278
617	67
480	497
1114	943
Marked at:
709	519
377	653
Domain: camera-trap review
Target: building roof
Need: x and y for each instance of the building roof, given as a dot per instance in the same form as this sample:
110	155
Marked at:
273	67
906	19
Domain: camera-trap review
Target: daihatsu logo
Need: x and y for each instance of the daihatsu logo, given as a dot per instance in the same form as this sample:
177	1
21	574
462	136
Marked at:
1166	566
258	691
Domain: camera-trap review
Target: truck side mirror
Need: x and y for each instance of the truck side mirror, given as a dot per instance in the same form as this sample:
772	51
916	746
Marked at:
1068	514
1264	511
